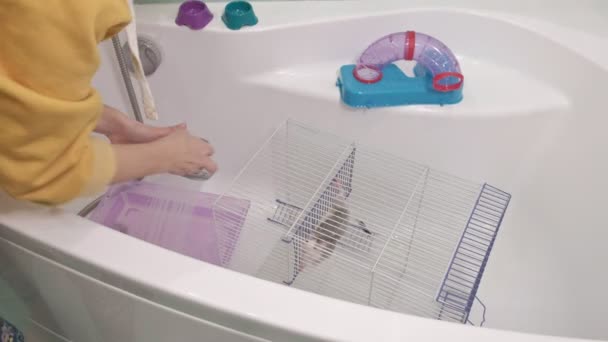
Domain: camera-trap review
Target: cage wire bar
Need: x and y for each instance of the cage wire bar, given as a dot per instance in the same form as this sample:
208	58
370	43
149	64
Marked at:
411	239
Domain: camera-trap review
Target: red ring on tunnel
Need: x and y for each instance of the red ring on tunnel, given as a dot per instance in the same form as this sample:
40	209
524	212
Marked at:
447	87
367	81
410	44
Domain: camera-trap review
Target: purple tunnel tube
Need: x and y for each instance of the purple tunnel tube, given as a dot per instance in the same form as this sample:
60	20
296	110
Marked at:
435	56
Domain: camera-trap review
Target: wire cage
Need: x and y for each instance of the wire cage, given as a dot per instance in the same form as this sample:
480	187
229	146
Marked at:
339	219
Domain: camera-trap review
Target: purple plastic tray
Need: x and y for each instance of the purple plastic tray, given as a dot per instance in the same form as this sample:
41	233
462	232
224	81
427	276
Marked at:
178	220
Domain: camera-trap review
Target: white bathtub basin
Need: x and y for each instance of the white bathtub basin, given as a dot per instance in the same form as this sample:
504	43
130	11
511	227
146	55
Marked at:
532	122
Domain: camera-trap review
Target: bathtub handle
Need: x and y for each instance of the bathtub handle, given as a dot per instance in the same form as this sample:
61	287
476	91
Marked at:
150	53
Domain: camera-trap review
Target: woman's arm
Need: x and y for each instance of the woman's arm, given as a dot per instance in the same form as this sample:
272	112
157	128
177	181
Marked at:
110	120
135	161
122	130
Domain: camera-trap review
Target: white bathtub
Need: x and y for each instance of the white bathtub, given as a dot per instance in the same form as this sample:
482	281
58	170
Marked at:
532	122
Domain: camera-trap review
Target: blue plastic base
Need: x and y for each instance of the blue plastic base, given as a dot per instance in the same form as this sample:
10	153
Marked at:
394	89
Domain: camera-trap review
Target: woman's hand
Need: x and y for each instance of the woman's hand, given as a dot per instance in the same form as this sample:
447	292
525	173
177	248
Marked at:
143	150
186	154
122	130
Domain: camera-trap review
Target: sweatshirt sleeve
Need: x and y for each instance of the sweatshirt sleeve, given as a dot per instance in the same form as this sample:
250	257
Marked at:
48	109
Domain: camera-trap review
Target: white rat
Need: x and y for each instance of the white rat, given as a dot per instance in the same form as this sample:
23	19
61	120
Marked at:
328	232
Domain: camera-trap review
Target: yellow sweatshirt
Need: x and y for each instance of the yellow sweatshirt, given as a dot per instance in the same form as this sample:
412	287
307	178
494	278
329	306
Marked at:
48	109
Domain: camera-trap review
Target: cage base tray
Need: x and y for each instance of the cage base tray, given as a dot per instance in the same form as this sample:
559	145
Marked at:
177	220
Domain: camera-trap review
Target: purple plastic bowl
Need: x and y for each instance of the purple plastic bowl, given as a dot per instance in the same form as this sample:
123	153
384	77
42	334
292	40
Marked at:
193	14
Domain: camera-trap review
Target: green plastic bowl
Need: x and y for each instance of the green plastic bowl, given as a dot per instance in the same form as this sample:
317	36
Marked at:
238	14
